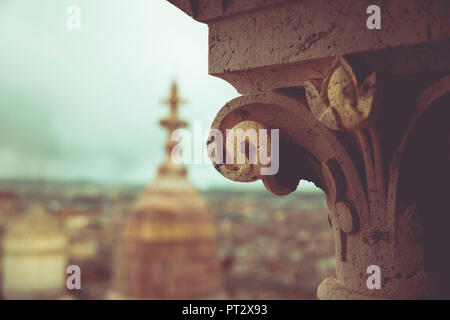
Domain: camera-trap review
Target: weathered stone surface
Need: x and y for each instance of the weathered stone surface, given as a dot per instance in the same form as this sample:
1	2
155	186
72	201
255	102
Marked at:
254	40
362	113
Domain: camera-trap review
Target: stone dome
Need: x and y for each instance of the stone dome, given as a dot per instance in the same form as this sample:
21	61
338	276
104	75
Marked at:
170	208
168	243
168	247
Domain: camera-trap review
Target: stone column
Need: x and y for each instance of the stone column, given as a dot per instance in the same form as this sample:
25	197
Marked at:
361	113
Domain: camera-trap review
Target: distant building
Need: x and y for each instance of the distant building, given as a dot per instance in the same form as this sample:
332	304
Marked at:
168	243
81	231
34	257
85	234
9	206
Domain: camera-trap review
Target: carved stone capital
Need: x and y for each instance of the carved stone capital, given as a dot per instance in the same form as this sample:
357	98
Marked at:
336	132
364	116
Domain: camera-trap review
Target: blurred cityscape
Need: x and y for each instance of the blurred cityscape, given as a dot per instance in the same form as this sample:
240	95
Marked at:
269	247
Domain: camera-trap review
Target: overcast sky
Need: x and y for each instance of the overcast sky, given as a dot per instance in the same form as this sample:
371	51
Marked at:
84	104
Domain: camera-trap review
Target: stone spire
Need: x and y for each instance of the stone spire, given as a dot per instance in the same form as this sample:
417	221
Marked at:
172	122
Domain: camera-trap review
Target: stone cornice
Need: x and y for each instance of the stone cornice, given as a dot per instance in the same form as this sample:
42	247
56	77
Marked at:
242	38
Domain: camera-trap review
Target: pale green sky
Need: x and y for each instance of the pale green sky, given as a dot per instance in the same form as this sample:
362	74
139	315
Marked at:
84	104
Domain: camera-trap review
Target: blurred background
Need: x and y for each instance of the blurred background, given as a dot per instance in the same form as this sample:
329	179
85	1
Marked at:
81	160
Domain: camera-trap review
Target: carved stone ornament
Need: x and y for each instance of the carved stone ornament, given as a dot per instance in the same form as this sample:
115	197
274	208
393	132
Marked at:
331	137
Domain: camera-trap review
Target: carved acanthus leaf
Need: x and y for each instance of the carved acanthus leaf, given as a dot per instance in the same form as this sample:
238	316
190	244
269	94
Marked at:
339	101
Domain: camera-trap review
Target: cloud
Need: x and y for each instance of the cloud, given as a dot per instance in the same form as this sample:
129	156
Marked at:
25	127
86	104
